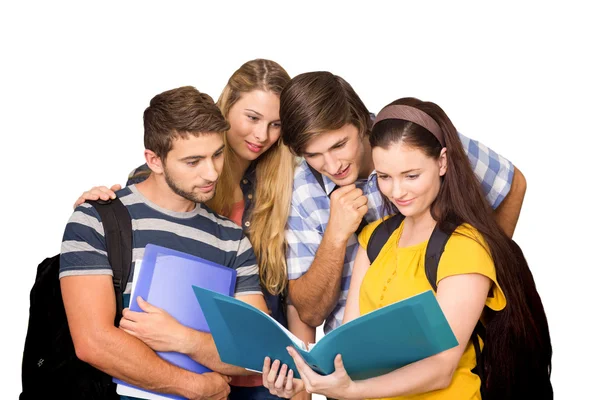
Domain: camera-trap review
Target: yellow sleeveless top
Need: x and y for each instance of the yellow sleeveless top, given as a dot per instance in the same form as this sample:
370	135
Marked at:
399	273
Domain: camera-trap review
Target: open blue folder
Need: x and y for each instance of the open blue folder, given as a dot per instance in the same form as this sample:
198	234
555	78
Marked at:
371	345
165	280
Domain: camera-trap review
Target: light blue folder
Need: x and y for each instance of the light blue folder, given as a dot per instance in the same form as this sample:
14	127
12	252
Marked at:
371	345
165	281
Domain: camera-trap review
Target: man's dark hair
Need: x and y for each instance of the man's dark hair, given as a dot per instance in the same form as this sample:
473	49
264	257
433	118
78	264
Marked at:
315	102
178	113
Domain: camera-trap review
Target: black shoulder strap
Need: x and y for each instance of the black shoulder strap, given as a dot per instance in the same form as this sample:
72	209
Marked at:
479	369
381	234
119	238
433	254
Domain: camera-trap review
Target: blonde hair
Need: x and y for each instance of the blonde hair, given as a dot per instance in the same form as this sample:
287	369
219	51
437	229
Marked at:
274	177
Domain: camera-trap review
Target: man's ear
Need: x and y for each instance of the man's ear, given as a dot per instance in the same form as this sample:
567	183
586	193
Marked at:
154	162
443	162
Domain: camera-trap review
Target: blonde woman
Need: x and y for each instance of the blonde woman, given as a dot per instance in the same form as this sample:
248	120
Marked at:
254	189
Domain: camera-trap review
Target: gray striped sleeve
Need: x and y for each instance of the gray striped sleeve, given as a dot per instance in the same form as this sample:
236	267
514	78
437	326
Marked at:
83	249
247	281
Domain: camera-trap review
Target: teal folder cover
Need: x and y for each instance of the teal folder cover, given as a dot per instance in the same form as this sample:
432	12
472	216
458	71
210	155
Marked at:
371	345
165	280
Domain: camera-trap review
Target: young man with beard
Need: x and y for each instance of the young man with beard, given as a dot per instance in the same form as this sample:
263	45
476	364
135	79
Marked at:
183	138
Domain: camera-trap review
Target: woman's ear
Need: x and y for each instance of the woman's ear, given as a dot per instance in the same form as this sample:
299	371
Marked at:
443	162
154	162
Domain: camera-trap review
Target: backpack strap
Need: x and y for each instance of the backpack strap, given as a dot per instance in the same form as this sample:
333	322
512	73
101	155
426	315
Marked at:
119	238
381	234
319	177
479	332
433	254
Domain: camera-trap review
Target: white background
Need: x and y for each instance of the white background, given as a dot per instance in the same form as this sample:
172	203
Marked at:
522	78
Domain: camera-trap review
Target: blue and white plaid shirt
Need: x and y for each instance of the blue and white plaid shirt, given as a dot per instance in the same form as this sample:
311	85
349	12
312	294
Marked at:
309	213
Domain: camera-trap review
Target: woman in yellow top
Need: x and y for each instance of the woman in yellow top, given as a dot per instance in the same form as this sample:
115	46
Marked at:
424	173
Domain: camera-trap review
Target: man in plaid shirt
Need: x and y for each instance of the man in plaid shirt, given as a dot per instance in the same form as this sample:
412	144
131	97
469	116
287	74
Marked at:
324	121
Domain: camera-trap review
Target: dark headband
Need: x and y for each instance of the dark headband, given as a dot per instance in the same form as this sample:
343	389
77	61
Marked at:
414	115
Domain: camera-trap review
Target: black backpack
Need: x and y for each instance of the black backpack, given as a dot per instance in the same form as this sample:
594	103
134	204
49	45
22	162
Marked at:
433	254
538	385
50	366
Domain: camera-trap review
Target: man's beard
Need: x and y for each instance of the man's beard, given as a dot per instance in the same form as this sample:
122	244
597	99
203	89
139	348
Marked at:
191	196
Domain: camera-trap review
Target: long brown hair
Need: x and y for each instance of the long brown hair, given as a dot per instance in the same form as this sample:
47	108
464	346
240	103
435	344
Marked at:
274	177
518	351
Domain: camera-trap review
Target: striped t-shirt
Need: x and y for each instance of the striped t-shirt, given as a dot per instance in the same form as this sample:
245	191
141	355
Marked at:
200	232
